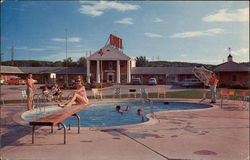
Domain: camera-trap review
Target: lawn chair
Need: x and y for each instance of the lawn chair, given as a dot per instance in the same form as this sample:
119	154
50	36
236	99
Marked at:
161	91
117	92
24	95
225	95
245	99
132	91
97	93
143	91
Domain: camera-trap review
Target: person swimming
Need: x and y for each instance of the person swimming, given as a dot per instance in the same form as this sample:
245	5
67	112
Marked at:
139	112
127	108
118	109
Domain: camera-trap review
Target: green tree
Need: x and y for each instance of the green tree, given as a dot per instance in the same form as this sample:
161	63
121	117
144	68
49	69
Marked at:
57	64
67	62
82	62
141	61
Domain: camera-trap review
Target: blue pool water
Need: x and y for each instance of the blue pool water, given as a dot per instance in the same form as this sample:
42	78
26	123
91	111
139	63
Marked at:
105	114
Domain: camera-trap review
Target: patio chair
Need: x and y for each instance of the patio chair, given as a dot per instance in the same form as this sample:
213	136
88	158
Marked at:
161	91
143	91
132	91
97	93
24	95
117	92
245	99
224	94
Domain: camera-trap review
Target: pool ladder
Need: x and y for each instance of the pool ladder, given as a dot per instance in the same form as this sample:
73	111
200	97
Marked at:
151	106
37	102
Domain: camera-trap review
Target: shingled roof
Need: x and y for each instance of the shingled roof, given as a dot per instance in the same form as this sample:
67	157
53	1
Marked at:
57	70
162	70
110	53
10	69
231	67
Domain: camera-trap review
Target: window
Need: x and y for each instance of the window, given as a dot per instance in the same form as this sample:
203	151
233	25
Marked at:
234	78
121	64
110	65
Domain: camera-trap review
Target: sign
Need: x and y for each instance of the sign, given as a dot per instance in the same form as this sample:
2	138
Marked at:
115	41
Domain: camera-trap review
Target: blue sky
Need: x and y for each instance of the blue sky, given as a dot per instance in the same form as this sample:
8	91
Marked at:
187	31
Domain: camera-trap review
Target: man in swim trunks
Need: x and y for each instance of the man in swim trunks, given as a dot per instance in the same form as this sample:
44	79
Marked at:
30	91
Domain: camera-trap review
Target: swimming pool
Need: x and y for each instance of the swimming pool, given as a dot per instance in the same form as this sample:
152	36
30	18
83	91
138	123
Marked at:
105	114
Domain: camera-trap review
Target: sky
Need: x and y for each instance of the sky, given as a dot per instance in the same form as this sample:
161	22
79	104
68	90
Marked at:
186	31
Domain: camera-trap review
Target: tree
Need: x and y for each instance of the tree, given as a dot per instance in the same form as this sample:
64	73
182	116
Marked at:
57	64
82	62
67	62
141	61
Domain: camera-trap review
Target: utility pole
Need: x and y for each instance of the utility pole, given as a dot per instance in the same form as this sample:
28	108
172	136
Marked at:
12	55
1	58
66	50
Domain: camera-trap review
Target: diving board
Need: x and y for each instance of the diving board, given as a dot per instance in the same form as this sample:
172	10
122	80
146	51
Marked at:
57	117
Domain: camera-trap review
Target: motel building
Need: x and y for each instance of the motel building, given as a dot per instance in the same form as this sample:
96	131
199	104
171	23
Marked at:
113	66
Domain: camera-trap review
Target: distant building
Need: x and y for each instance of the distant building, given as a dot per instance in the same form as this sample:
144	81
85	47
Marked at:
113	66
232	74
43	74
164	75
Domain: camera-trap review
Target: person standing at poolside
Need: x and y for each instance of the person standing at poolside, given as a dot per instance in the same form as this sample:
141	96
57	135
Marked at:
30	91
213	83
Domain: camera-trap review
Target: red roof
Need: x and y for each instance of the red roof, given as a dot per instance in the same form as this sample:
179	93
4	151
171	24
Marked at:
231	66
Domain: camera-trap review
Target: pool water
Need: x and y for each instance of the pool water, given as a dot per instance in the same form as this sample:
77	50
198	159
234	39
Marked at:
105	114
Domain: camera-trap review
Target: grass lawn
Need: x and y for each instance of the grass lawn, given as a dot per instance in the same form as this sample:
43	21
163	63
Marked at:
188	94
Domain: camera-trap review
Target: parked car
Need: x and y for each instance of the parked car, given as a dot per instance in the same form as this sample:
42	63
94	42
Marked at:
152	81
192	83
15	81
136	81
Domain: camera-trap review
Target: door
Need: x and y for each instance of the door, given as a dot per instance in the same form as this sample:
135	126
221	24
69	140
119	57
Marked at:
110	77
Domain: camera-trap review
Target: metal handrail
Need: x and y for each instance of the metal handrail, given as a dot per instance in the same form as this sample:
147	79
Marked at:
151	106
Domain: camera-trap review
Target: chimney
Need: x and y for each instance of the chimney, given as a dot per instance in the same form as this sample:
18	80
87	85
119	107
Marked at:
230	58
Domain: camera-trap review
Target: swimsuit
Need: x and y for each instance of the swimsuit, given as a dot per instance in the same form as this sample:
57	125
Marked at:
29	91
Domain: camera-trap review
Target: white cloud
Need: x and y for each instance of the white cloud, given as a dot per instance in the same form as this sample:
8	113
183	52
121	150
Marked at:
158	20
70	39
125	21
224	15
241	55
209	32
74	54
98	8
30	49
184	55
153	35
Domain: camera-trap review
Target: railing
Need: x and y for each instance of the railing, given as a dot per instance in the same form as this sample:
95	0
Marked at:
151	106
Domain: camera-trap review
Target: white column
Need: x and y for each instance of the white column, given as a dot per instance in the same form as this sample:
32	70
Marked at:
118	74
88	71
98	72
128	72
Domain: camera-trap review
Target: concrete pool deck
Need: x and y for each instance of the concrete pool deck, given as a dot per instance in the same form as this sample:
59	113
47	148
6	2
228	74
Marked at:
202	134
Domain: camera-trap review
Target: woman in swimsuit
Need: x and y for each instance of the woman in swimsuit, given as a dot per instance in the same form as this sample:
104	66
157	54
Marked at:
79	95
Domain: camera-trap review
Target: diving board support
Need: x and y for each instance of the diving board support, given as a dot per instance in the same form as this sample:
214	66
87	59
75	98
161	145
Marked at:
64	128
78	120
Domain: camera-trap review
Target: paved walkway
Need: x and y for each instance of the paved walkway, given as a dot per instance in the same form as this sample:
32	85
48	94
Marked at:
205	134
